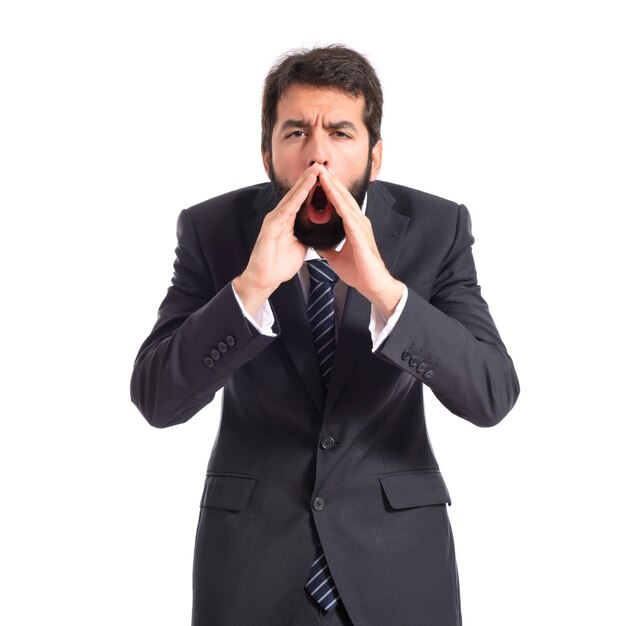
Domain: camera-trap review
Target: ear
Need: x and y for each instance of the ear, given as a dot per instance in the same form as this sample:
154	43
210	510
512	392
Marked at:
377	159
266	161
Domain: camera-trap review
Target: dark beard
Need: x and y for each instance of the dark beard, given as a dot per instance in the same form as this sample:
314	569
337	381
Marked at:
329	235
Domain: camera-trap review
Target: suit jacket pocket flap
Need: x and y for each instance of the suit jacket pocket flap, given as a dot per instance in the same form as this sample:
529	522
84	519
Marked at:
227	491
412	488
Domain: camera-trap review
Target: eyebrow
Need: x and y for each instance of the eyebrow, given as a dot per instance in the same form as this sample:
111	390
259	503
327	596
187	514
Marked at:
343	124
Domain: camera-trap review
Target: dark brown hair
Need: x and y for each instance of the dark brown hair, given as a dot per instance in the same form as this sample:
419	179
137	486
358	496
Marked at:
335	66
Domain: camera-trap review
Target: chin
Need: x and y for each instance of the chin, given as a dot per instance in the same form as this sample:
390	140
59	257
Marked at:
318	236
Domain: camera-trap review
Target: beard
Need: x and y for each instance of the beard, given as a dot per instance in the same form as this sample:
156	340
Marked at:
330	234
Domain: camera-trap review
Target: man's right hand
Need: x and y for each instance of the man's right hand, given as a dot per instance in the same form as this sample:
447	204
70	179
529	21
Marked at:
277	254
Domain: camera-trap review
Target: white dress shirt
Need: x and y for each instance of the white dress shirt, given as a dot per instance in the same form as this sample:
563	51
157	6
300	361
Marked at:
379	327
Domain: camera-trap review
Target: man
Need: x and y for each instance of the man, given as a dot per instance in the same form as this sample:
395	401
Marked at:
322	302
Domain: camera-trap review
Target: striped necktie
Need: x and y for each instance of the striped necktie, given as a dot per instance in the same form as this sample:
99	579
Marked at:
321	311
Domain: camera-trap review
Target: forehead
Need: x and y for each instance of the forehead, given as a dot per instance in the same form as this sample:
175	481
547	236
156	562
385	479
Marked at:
307	102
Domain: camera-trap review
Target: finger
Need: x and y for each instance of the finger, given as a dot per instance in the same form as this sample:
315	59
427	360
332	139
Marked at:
345	205
293	204
341	198
343	191
300	190
312	169
283	216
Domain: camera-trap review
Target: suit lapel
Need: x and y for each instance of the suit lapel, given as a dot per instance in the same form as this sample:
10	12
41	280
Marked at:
290	309
389	228
296	334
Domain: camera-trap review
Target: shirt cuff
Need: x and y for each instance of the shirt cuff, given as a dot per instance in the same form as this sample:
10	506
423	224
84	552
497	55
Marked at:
263	320
380	328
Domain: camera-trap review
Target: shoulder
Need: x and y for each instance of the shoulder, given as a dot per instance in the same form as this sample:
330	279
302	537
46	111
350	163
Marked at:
232	206
219	227
422	208
408	198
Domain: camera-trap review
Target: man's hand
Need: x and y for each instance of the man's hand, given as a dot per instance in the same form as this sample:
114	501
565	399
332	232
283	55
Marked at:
359	263
277	254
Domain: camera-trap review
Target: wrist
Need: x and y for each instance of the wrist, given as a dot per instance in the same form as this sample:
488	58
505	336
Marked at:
387	296
252	297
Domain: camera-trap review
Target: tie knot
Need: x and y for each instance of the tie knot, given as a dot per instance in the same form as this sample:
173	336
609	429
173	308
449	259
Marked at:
320	272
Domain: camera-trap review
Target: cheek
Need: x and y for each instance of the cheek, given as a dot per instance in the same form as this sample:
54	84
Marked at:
350	166
288	166
348	177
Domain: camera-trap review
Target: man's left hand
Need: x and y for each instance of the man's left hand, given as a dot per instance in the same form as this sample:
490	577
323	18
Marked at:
359	263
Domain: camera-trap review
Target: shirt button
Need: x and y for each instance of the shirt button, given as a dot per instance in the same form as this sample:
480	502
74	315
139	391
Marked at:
209	362
215	354
222	347
422	367
328	443
406	355
230	341
429	374
318	504
413	362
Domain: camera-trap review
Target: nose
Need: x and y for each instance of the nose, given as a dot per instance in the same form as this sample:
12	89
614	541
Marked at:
318	150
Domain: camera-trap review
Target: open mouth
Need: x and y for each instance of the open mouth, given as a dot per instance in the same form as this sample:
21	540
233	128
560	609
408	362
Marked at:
319	209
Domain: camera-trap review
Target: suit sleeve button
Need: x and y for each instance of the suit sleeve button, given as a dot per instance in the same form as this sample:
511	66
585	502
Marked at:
215	354
413	362
406	355
429	374
422	367
222	347
318	504
230	341
209	362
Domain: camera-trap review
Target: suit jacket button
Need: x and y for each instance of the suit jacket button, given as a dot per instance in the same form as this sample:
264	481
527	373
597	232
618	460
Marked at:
215	354
318	504
230	341
222	347
328	443
209	362
422	367
429	374
413	362
406	355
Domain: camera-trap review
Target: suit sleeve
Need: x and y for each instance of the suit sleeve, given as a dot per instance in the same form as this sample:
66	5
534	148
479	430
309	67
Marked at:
451	343
200	338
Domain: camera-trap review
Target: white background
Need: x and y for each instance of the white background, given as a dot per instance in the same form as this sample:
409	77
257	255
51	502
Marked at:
117	115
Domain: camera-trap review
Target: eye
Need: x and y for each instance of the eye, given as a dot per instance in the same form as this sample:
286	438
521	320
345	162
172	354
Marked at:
341	135
296	133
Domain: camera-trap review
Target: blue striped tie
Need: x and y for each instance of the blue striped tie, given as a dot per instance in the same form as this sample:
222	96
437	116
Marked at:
321	311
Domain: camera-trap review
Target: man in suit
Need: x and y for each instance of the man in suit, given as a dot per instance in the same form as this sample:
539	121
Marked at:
321	303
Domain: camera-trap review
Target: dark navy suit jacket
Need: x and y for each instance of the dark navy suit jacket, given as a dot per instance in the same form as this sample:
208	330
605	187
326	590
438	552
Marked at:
354	469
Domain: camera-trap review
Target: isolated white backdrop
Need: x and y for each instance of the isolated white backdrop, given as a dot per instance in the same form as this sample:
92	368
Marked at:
117	115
